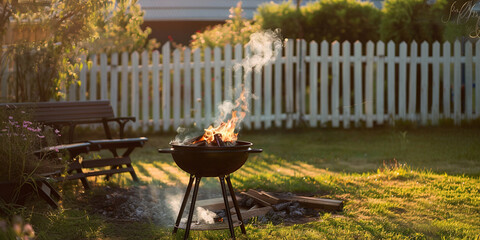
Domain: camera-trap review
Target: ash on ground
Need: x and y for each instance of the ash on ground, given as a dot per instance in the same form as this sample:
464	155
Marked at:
160	205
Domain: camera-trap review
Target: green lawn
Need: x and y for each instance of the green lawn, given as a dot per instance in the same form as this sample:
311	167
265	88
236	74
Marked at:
397	184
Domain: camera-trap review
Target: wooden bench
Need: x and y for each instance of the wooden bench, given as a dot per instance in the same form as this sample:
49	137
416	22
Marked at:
71	114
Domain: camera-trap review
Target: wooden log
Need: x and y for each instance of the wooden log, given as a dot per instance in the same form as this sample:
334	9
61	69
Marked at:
256	212
318	203
213	203
265	199
218	140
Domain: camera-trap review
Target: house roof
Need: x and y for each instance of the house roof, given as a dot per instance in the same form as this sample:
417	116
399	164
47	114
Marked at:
199	10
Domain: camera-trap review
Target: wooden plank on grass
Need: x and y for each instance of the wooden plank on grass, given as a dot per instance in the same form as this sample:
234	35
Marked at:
319	203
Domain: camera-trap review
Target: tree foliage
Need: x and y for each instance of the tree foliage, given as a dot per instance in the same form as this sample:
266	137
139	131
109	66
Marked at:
234	30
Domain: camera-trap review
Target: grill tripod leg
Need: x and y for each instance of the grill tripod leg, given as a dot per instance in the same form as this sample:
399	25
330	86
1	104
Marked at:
227	207
192	207
184	203
235	204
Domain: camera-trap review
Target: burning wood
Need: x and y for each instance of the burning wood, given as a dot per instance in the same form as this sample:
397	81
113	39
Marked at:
218	140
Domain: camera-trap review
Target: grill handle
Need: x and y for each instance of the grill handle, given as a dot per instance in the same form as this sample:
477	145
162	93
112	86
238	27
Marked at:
254	150
166	150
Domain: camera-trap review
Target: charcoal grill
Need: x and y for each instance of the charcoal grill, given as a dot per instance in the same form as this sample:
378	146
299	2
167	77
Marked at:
208	161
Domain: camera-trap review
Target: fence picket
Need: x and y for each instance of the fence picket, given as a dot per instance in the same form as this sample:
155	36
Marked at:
92	93
145	91
391	80
402	83
436	83
114	83
301	68
424	84
197	89
83	79
477	79
457	75
369	85
103	77
217	79
358	83
335	83
324	82
313	83
380	82
227	88
257	92
446	80
278	90
267	93
412	91
468	81
238	71
177	94
187	87
289	86
248	87
166	86
124	95
135	91
346	105
156	90
207	58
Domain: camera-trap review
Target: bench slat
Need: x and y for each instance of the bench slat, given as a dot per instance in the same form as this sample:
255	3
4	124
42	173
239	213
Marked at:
105	162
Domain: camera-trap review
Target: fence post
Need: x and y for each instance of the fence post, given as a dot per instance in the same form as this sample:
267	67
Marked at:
358	83
402	83
436	83
124	95
267	92
103	77
380	82
412	103
227	88
313	83
468	81
391	98
346	84
457	107
145	91
301	79
166	86
335	83
177	101
324	82
156	90
446	80
114	83
135	105
187	87
278	90
257	92
289	82
207	58
217	79
424	84
92	93
369	85
197	88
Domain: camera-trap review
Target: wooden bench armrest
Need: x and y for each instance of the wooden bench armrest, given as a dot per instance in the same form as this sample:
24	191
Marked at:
117	143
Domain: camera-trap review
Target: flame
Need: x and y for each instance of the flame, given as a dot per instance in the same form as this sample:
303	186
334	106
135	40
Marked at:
226	130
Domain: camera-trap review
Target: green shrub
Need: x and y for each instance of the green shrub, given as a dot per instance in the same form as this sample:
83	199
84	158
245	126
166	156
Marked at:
341	20
235	30
282	16
408	20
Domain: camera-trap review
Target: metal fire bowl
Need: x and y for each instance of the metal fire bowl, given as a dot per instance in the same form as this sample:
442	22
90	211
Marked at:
208	161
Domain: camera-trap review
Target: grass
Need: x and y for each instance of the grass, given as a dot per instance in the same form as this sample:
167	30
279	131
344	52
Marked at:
397	184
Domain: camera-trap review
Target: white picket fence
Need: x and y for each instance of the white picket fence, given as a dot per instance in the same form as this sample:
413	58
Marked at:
376	84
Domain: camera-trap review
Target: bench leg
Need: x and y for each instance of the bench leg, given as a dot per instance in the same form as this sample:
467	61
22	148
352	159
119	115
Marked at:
45	191
77	167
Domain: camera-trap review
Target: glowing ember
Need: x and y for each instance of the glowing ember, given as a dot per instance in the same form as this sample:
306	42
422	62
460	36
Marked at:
226	130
